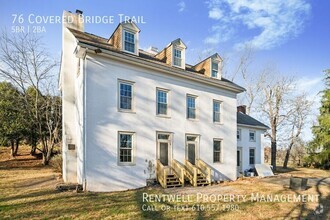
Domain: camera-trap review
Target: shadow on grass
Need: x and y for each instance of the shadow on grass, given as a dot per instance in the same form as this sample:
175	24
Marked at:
280	169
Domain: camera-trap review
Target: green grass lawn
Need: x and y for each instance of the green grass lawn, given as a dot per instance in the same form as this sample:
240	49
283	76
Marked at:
27	191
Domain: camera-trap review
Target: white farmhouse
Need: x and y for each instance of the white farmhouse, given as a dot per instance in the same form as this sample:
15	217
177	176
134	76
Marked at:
250	135
130	115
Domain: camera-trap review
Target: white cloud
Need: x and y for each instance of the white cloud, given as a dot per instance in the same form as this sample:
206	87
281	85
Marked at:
272	22
182	6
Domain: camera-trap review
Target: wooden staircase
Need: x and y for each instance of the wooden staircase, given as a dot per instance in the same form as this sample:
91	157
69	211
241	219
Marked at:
198	174
176	174
170	176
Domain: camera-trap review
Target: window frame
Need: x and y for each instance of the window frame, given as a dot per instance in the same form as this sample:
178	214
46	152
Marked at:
175	57
217	70
220	107
167	103
254	156
124	41
133	150
187	108
255	135
220	152
239	133
132	110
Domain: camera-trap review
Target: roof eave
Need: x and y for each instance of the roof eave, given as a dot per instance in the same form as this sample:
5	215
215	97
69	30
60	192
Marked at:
173	71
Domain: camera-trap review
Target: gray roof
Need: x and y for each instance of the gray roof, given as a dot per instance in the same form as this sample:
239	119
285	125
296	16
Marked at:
102	43
248	120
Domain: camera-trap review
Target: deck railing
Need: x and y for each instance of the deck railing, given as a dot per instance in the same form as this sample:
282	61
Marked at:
191	172
205	169
178	169
161	173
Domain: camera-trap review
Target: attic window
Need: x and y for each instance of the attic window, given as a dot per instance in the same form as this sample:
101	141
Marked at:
214	70
129	42
177	58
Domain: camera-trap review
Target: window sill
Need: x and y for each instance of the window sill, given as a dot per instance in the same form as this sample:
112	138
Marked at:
218	123
252	141
193	120
125	164
163	116
126	111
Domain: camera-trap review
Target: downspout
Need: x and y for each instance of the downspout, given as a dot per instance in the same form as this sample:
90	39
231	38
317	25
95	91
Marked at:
84	124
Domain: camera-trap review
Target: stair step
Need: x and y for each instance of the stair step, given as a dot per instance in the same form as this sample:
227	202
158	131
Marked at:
171	178
176	185
170	175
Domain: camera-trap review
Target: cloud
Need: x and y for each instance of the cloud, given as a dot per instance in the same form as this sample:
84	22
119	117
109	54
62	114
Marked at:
182	6
269	23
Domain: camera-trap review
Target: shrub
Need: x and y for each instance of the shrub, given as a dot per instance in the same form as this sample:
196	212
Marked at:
56	163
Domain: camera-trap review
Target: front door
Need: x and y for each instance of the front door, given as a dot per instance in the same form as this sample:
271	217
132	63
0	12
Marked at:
191	153
239	160
163	153
191	148
164	148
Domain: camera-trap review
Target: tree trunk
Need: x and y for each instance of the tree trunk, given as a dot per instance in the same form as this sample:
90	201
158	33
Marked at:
12	151
33	150
16	147
287	156
273	155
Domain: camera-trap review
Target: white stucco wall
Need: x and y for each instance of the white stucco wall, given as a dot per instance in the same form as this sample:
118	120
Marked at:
103	121
68	75
246	144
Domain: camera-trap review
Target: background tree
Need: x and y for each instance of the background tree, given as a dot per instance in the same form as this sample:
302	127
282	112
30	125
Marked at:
273	104
25	63
296	121
319	147
12	117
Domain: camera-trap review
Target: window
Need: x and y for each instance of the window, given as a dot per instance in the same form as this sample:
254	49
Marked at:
126	96
216	111
177	58
217	151
252	155
162	102
238	134
214	70
126	148
191	107
129	42
252	135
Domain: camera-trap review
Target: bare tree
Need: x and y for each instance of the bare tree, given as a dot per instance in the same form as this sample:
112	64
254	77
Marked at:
25	63
273	104
300	110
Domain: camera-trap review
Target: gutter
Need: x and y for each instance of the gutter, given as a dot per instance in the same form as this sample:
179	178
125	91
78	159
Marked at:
171	71
254	126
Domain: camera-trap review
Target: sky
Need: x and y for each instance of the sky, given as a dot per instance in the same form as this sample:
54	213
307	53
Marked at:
292	35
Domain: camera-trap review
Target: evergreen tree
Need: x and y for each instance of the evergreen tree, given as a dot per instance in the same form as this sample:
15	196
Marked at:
319	147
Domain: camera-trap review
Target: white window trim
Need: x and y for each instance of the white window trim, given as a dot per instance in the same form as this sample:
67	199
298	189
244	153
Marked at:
221	110
196	107
136	52
255	135
240	134
133	148
211	62
253	156
121	81
168	115
182	56
221	150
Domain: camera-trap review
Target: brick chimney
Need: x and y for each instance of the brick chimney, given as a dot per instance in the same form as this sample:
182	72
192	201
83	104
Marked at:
241	108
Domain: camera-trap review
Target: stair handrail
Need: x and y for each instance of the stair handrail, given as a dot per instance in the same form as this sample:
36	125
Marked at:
205	169
161	173
193	170
179	170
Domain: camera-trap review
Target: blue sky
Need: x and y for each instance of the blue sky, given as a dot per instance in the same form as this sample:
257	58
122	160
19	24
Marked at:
293	35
